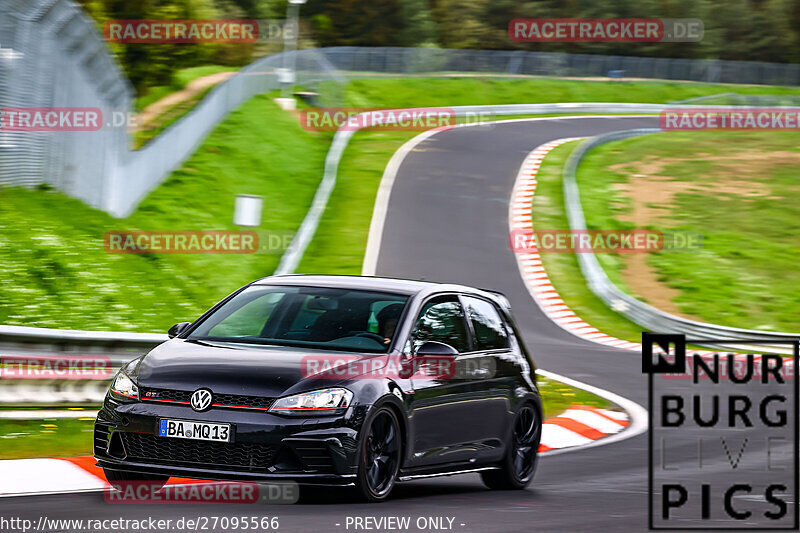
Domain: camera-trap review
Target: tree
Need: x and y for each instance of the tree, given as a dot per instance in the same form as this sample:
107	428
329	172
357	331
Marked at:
419	27
358	22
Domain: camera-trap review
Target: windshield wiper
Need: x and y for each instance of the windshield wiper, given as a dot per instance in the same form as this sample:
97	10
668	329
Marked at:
235	340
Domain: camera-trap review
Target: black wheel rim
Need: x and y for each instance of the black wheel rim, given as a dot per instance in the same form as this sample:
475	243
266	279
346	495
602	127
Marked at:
526	443
382	454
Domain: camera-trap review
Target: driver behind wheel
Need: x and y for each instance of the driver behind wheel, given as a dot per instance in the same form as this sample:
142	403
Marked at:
388	317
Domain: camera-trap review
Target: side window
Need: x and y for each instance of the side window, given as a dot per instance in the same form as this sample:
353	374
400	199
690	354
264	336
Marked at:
489	328
441	320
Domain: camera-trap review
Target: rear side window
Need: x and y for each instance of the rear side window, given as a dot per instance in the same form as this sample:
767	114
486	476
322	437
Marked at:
489	328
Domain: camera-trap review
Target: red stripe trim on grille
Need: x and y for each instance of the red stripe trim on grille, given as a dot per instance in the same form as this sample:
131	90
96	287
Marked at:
237	406
162	400
212	405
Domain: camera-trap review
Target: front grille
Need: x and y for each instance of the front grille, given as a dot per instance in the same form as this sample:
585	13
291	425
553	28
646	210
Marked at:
166	395
184	452
239	400
224	401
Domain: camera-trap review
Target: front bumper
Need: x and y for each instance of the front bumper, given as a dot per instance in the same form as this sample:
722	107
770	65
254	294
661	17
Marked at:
264	446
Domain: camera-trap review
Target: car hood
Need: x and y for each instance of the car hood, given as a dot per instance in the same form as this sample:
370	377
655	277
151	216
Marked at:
246	369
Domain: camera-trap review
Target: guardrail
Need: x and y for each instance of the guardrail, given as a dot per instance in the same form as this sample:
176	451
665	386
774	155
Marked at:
60	393
118	347
635	310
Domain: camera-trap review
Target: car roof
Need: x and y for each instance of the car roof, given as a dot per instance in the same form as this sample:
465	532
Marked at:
396	285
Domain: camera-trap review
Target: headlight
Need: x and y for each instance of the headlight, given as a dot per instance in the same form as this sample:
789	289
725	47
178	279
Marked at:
124	386
319	402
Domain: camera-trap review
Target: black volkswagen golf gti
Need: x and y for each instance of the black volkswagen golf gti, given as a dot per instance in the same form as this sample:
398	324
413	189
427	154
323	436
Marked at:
339	380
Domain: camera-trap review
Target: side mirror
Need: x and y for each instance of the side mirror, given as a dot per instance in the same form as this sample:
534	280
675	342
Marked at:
435	348
177	329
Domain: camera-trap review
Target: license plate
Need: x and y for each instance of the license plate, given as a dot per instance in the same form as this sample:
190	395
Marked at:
188	429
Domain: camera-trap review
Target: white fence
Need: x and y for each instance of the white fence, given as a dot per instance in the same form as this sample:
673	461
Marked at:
517	62
143	170
52	56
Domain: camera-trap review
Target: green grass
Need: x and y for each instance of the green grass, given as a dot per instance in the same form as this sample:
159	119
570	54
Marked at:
737	189
558	397
56	272
47	437
432	91
68	437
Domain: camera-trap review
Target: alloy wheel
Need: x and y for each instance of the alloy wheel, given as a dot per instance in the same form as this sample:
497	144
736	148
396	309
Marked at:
526	442
382	453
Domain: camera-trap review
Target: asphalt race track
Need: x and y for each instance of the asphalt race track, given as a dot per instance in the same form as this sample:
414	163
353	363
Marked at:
447	220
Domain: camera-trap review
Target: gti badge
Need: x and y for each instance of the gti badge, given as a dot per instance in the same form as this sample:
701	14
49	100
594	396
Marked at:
201	400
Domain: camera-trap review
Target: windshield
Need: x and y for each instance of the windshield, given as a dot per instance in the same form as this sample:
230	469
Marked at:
315	317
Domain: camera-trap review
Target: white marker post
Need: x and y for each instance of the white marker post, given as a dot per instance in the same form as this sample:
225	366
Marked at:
247	210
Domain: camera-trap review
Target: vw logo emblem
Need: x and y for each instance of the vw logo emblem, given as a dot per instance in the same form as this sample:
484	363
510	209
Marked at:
201	399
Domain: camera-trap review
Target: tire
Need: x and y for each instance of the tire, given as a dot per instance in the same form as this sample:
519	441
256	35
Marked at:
519	464
120	478
381	450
